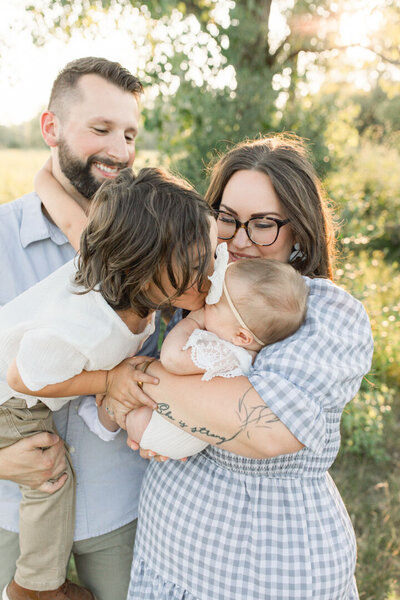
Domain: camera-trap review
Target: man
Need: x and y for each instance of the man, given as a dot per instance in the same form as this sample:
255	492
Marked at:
90	126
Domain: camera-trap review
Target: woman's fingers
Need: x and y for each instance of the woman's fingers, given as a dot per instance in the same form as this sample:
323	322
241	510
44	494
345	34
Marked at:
149	454
132	444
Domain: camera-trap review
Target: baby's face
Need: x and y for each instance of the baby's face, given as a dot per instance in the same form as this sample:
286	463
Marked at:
219	318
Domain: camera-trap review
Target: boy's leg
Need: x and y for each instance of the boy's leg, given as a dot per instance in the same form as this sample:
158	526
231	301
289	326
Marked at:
9	552
104	562
46	520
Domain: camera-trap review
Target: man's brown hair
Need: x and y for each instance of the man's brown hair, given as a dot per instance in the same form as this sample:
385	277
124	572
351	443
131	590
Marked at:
141	228
65	84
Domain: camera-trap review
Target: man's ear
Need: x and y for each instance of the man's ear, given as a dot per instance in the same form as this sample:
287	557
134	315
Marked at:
49	126
243	337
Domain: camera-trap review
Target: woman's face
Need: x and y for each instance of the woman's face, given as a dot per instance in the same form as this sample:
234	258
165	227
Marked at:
249	194
192	298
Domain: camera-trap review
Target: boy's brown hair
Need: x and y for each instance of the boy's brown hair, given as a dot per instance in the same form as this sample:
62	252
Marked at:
273	303
139	229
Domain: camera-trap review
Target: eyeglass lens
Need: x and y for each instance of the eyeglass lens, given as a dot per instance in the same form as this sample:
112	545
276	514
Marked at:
261	231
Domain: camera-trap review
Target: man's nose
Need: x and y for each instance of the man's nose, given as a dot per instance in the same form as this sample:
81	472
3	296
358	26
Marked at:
120	150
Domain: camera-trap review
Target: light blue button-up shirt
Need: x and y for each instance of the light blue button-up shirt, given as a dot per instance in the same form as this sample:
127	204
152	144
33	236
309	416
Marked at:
108	475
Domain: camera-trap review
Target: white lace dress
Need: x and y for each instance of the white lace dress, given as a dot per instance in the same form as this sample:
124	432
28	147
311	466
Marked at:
218	358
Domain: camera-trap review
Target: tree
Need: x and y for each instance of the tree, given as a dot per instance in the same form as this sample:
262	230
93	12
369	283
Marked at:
221	71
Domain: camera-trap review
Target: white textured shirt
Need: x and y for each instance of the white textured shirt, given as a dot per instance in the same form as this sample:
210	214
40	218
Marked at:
55	332
108	475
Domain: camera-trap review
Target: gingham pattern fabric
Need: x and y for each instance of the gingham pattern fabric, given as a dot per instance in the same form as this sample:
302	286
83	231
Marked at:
225	527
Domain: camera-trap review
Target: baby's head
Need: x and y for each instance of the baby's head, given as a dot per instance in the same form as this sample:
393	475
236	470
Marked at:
263	301
147	243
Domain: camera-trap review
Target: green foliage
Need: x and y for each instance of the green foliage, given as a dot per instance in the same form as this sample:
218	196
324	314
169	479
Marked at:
363	422
367	193
377	284
26	135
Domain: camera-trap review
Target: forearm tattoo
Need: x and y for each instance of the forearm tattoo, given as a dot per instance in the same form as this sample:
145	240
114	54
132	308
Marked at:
249	417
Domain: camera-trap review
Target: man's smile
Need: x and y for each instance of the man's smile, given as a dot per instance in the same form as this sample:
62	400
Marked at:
107	170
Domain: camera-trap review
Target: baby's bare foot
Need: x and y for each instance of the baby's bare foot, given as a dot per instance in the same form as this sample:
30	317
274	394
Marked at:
137	421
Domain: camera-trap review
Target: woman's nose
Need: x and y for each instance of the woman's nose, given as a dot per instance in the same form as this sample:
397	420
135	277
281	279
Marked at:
241	239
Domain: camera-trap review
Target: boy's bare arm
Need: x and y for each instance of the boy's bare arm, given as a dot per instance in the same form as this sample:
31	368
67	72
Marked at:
172	356
65	212
119	383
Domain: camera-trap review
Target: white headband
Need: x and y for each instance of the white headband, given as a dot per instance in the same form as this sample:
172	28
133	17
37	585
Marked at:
218	286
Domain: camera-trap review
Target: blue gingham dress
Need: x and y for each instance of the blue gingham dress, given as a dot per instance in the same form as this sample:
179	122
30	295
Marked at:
227	527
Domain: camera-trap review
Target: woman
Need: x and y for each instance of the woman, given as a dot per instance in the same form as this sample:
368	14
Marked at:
256	514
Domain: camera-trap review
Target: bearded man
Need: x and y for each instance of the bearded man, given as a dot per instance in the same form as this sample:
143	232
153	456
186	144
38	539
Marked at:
90	126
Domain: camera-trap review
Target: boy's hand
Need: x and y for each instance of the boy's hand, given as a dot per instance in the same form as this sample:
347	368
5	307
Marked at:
122	383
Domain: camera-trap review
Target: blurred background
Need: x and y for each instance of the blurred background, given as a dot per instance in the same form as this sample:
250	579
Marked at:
216	72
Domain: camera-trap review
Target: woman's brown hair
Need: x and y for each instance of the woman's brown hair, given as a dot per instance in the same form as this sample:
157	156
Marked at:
284	159
139	229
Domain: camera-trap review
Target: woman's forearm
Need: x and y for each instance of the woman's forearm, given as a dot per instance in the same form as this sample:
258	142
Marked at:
227	413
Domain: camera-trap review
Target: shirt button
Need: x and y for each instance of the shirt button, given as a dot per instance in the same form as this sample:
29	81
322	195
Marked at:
71	449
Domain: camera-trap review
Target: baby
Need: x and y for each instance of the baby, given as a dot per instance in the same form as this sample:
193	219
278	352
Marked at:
251	303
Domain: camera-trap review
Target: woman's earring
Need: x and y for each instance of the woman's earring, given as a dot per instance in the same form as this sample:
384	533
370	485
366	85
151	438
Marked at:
296	252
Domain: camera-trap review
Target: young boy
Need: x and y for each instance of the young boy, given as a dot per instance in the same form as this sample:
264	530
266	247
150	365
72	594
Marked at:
63	337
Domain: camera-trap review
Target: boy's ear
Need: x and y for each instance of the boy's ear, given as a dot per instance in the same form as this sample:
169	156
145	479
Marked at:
243	338
49	127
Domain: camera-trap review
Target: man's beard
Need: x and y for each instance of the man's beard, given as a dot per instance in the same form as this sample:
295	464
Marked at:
79	173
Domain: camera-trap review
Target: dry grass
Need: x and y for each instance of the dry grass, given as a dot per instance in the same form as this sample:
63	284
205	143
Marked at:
18	168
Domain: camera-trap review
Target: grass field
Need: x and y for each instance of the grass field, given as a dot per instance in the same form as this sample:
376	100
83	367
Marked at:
367	469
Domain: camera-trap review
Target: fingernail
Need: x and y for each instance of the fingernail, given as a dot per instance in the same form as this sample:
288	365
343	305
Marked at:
163	459
150	453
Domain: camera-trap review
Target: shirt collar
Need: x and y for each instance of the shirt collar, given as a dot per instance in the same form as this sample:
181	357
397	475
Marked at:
35	226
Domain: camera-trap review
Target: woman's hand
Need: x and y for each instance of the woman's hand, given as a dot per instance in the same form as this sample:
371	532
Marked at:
27	463
122	384
149	454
